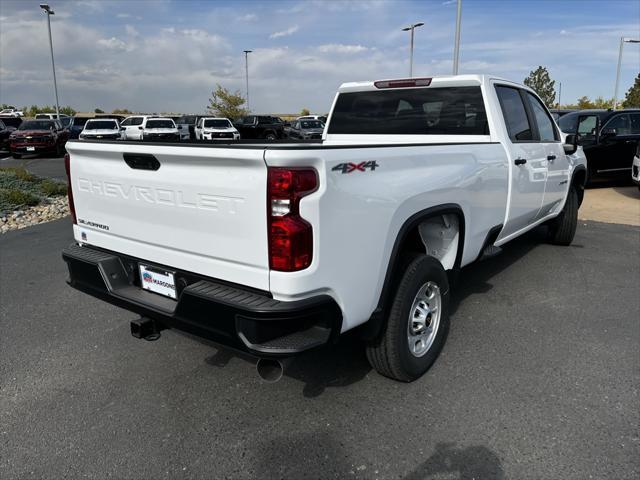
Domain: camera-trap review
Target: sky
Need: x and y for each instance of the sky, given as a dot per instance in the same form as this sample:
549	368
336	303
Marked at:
168	55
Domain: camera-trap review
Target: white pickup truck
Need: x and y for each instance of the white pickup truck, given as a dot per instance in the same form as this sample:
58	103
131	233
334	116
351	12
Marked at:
277	248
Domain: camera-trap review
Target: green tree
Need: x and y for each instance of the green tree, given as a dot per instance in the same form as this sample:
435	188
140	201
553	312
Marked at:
305	111
632	98
98	110
224	103
121	111
540	81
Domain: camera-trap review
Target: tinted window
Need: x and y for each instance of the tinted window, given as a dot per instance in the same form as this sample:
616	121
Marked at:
545	125
311	124
41	116
217	123
100	125
587	125
568	123
411	111
160	123
2	126
515	114
126	123
621	123
137	121
37	125
635	123
249	120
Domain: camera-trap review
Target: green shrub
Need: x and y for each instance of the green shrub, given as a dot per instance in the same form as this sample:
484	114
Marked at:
20	173
52	188
12	198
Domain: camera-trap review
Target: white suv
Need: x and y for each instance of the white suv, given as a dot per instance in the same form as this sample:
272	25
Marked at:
210	128
133	127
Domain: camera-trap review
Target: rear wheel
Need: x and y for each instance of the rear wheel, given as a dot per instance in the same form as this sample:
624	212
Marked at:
562	229
417	325
270	136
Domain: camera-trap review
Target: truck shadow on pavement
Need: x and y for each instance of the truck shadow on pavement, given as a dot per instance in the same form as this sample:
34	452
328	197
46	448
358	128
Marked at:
466	463
326	459
345	363
337	365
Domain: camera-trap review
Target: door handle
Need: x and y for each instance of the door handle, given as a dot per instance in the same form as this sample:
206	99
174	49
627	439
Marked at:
520	161
551	158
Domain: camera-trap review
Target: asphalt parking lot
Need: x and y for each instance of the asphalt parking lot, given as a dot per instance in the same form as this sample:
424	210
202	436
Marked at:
540	378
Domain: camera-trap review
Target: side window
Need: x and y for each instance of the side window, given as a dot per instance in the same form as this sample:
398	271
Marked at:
515	114
126	123
545	125
635	123
620	123
137	121
568	123
587	125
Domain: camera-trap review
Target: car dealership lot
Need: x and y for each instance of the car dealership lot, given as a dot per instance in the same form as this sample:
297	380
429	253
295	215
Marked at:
539	379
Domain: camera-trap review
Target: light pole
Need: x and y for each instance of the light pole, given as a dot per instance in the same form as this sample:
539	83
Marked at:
411	28
50	12
456	48
622	42
246	72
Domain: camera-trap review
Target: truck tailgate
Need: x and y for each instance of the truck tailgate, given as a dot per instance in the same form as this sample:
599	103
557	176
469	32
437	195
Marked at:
202	210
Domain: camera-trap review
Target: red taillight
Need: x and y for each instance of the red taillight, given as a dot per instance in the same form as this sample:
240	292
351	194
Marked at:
290	236
409	82
67	167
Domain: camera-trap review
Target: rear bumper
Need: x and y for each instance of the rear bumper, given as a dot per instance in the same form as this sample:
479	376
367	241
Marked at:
239	318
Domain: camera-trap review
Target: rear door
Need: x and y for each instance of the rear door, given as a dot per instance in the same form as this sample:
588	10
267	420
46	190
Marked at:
619	147
197	209
132	128
528	159
556	162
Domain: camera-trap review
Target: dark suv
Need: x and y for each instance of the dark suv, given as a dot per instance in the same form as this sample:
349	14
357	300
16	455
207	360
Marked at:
38	136
609	139
260	127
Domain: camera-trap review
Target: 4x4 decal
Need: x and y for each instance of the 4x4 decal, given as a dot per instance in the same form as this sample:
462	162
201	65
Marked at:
355	167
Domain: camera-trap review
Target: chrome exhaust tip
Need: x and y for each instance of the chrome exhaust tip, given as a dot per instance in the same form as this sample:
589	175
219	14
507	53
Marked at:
270	370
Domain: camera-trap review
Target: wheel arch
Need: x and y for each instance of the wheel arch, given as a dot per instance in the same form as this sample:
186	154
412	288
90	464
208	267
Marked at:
409	240
579	181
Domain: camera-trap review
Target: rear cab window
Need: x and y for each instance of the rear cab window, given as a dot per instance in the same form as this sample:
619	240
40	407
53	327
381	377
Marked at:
411	111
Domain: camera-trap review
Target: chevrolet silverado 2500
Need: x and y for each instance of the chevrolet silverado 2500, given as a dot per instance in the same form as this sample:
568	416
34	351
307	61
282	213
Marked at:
277	248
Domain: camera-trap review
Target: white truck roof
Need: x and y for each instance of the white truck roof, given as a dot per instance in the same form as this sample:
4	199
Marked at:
436	81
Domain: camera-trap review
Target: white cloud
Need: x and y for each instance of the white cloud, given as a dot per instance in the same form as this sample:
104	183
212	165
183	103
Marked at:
285	33
449	2
123	15
131	31
249	17
340	48
113	43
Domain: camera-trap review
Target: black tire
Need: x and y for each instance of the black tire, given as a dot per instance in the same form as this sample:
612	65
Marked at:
270	136
390	353
562	229
17	156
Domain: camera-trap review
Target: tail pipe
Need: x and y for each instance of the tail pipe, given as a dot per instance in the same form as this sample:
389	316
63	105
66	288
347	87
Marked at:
270	369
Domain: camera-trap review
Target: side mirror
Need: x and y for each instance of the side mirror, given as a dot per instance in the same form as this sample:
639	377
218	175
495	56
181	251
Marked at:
570	144
140	128
608	133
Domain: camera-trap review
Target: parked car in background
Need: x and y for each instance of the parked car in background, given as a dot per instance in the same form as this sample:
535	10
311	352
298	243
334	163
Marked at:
260	127
635	169
322	118
64	118
133	127
210	128
609	139
101	129
76	126
38	136
186	125
5	133
556	113
306	129
12	111
156	129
